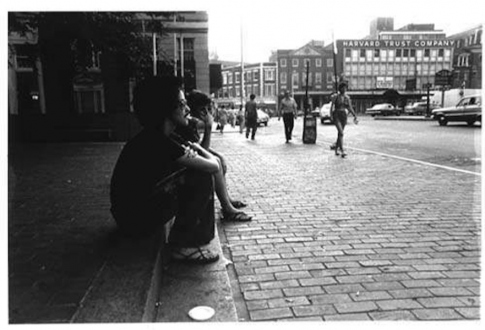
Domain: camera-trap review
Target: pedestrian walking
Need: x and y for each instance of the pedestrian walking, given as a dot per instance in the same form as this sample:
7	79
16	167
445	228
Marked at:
341	103
240	119
222	118
288	111
153	155
251	117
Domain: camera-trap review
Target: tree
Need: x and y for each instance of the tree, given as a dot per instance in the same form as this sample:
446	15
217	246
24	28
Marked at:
66	42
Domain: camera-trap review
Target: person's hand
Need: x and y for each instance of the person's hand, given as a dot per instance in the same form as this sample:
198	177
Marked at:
356	121
195	146
208	119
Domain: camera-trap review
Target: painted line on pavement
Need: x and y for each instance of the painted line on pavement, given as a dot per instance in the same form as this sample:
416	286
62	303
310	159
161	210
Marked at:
416	161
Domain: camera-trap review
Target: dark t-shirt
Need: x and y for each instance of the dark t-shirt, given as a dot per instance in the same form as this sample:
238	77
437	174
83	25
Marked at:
145	160
251	112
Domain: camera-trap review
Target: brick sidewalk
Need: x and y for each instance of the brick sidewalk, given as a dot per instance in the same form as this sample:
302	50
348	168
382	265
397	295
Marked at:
59	226
362	238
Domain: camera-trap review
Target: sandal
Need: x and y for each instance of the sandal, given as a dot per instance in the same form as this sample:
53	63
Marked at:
194	256
238	204
235	217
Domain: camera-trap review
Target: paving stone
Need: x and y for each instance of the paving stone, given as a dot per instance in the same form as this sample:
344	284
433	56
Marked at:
314	310
397	304
262	294
308	290
392	316
355	307
347	317
436	314
472	313
288	302
450	291
270	314
440	302
370	295
325	299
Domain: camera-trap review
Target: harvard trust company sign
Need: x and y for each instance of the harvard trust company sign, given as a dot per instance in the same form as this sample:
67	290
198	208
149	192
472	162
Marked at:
397	43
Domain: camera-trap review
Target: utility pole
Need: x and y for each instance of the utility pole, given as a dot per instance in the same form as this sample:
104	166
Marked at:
154	46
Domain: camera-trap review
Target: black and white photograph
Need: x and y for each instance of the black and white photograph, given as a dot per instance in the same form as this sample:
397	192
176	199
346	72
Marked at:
242	163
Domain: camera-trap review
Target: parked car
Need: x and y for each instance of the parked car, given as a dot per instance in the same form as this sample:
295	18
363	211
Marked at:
419	108
263	117
384	109
468	109
325	113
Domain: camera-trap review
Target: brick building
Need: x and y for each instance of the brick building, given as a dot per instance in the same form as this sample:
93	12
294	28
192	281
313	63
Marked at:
96	101
292	73
259	79
467	58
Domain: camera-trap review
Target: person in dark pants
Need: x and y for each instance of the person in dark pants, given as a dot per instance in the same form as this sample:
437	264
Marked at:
288	110
251	116
151	156
341	103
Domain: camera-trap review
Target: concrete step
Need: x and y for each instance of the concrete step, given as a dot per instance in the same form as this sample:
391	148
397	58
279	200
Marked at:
187	286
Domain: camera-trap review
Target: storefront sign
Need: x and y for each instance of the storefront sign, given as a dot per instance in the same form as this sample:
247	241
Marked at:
384	82
397	43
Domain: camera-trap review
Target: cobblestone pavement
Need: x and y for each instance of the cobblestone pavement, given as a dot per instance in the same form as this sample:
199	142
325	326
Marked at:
362	238
59	226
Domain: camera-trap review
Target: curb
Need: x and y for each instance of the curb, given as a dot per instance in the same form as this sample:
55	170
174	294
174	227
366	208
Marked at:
126	288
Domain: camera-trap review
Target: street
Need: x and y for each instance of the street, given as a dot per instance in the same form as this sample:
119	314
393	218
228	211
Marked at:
456	145
375	236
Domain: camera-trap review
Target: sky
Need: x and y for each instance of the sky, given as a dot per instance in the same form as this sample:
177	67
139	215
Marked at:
271	25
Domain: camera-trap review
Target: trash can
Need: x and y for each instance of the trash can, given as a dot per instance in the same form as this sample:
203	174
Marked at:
309	129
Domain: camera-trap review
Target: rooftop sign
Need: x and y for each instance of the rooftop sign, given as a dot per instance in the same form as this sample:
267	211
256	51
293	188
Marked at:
397	43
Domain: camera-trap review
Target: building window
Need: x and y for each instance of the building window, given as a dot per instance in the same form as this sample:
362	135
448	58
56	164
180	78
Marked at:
434	53
256	75
383	55
329	62
413	53
441	52
283	62
269	74
283	78
355	55
24	59
398	52
307	62
347	53
224	78
294	80
229	78
89	99
237	77
362	53
269	90
295	62
405	53
376	52
329	77
368	54
391	55
318	62
318	77
426	52
419	54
